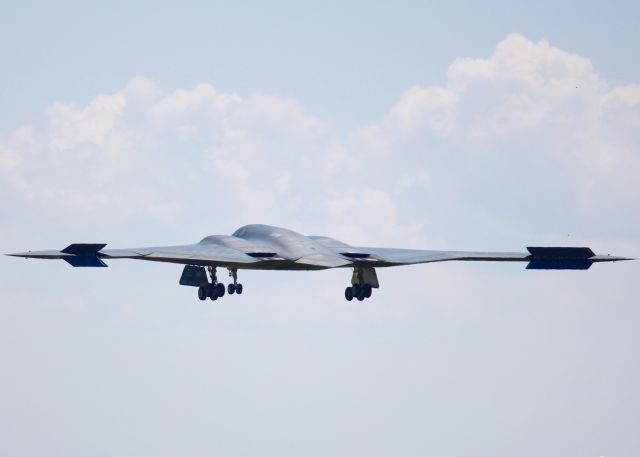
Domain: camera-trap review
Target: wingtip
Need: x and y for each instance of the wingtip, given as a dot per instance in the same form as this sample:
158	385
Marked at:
618	259
36	254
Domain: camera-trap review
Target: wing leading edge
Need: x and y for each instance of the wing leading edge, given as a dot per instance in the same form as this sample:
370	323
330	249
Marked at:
538	258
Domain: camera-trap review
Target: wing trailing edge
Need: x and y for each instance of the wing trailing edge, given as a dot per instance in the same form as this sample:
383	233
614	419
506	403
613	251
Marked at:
83	261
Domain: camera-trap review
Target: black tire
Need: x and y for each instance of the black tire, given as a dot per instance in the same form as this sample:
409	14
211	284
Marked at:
202	293
348	293
212	292
231	288
238	289
220	289
367	290
361	294
356	289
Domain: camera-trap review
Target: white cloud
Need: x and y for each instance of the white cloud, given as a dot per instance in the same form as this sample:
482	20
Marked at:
531	123
71	127
369	217
142	88
203	101
523	85
424	106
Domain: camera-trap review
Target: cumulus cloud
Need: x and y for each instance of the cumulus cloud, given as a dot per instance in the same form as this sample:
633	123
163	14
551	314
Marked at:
371	217
531	123
421	107
70	127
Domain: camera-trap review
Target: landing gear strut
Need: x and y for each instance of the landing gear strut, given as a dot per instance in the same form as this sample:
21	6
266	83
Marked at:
215	289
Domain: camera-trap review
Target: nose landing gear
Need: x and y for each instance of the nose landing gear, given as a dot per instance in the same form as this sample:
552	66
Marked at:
235	287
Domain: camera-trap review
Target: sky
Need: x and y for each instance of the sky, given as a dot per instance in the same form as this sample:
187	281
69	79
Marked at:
452	125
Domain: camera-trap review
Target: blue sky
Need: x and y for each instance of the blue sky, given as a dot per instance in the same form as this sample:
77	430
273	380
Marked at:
448	126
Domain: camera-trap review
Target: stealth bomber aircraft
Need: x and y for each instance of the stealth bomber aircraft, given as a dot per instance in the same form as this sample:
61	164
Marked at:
263	247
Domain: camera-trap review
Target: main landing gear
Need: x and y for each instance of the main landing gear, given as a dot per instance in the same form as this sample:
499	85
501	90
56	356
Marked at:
215	289
358	291
363	281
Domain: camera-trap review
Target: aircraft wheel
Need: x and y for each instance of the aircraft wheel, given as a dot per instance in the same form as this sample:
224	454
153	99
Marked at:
367	290
211	292
361	295
202	293
238	289
231	288
220	289
356	289
348	293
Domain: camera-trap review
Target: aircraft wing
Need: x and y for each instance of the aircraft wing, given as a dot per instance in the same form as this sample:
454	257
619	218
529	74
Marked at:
92	255
231	253
538	258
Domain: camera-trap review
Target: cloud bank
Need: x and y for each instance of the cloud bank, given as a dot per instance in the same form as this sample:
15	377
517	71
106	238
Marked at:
531	123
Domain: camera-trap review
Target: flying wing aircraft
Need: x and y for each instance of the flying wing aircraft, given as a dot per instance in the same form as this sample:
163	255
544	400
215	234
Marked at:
263	247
